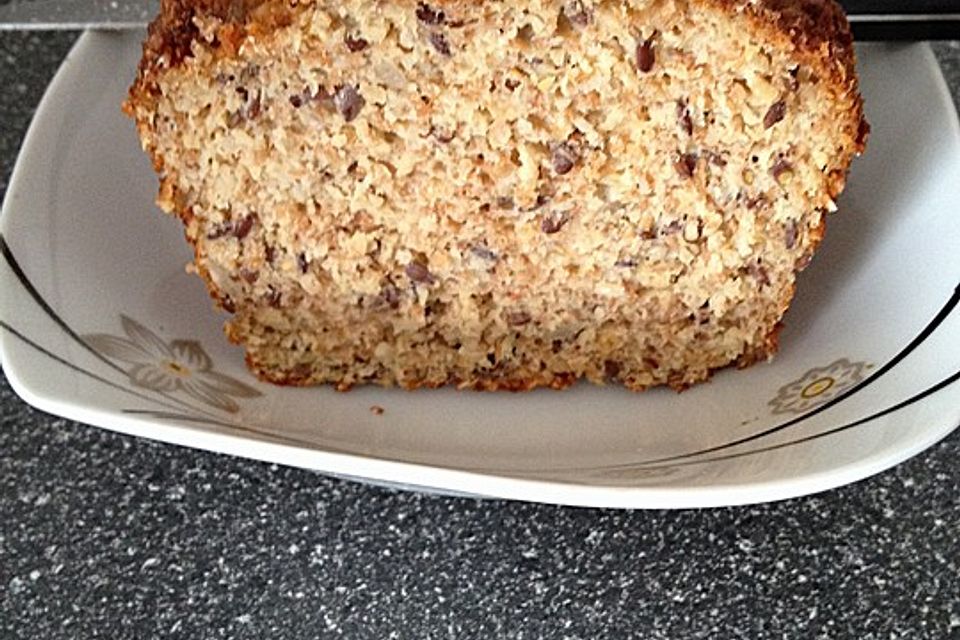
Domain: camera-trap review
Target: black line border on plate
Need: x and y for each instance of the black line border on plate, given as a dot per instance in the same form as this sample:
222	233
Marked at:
25	282
945	311
946	382
202	415
60	322
675	460
159	414
19	335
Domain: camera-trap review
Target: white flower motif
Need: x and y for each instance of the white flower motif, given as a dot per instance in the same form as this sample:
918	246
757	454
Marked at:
819	385
181	365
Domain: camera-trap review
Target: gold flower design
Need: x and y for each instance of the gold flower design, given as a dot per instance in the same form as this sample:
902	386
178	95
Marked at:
818	385
181	365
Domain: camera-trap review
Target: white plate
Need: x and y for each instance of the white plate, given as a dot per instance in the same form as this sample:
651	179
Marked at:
95	303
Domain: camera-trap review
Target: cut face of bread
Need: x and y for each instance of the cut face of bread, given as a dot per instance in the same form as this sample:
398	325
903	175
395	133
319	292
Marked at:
500	195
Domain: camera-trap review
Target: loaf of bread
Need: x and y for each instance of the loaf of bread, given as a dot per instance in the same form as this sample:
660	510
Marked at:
500	194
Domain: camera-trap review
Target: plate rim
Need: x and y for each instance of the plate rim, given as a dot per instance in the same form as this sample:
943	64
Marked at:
440	480
436	478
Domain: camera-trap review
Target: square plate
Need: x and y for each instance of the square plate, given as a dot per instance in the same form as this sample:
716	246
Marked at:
101	324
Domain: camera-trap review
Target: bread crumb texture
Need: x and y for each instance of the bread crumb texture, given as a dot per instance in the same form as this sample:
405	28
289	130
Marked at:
500	195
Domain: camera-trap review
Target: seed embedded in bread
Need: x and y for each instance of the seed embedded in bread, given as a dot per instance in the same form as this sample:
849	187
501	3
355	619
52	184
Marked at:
500	195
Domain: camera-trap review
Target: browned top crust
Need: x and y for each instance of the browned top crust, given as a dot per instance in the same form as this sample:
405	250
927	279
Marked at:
810	24
817	28
172	33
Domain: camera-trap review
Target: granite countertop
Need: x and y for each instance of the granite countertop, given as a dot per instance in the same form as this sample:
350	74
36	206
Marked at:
105	535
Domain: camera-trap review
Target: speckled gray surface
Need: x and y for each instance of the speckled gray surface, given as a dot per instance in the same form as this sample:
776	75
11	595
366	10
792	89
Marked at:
76	13
107	536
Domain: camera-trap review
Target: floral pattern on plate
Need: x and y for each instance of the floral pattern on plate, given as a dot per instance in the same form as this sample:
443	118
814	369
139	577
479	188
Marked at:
818	385
177	366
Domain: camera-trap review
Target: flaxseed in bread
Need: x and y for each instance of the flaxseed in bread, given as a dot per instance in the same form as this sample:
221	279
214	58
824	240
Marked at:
500	195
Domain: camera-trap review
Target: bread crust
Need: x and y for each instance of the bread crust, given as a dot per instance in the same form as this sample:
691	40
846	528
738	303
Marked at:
815	30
